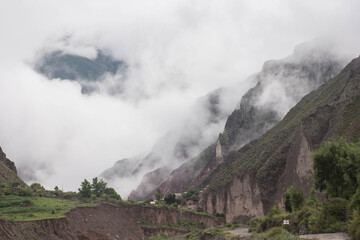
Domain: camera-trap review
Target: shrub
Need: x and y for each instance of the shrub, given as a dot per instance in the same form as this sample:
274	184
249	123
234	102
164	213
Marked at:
37	187
85	190
294	199
337	164
332	217
275	210
170	199
353	227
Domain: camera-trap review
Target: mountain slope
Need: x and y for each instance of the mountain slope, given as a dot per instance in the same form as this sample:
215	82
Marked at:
253	177
8	172
180	144
89	73
281	84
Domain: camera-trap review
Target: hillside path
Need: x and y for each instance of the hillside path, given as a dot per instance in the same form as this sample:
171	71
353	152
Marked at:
240	231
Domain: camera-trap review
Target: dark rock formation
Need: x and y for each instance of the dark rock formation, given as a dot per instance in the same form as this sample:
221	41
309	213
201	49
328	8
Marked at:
8	172
7	162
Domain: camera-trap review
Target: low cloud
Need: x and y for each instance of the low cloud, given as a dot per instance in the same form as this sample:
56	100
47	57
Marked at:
177	51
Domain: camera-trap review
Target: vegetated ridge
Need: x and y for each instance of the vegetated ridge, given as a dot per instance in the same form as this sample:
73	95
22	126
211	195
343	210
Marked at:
252	178
89	73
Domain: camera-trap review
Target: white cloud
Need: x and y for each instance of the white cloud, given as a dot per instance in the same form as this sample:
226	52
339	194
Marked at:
177	51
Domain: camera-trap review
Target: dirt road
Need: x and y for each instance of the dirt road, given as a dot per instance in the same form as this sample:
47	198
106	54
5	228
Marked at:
327	236
241	231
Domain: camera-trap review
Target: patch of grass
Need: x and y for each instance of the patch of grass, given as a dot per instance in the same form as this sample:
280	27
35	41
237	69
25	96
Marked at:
18	208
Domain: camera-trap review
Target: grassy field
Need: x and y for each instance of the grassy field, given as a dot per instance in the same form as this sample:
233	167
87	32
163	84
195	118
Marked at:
18	208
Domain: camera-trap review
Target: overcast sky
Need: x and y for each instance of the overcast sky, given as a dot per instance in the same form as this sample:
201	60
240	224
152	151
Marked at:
178	51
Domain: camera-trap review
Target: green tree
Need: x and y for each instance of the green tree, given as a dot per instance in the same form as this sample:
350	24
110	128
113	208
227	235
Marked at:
85	190
98	187
112	193
353	228
337	164
287	201
297	198
170	199
158	195
275	209
37	187
294	198
355	199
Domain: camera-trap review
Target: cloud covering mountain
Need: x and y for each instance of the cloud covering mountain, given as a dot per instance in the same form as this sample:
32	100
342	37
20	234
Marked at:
176	52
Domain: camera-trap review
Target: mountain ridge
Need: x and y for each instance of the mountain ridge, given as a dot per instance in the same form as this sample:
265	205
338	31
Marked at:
267	166
295	75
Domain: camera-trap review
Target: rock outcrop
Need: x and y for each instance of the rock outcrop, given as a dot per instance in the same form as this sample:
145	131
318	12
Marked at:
8	171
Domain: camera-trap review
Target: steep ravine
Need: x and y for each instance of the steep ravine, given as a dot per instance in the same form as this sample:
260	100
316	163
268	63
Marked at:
103	222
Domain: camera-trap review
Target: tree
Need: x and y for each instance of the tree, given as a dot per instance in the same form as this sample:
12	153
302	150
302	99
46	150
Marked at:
287	201
112	193
170	199
337	164
57	190
158	195
85	190
37	187
98	187
275	209
294	198
297	198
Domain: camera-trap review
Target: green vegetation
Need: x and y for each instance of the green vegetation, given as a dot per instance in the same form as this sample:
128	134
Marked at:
337	166
85	190
191	195
17	208
158	195
170	199
294	198
276	233
97	189
19	202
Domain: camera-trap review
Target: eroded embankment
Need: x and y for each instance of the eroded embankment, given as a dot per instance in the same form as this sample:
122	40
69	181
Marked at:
101	222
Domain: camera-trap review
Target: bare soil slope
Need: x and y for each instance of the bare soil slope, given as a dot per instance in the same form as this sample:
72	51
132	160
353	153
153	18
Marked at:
103	222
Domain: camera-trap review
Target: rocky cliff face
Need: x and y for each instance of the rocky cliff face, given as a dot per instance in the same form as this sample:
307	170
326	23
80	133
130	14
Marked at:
262	170
103	222
8	171
280	85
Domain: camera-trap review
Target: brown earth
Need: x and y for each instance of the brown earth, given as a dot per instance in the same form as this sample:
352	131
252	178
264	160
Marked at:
104	222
